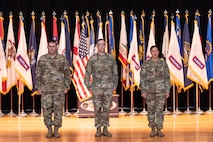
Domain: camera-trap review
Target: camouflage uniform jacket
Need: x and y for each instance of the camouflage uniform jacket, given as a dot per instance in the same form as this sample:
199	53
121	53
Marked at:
52	74
155	77
103	69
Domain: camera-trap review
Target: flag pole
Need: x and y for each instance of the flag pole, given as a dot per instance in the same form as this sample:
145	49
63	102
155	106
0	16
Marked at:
77	112
1	114
122	112
22	113
166	112
11	113
132	111
174	99
19	104
177	110
210	98
198	111
187	111
143	112
33	113
67	113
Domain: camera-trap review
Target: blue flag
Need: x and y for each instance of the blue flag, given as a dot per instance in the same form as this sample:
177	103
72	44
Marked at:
186	48
208	50
68	51
32	53
142	44
111	36
178	32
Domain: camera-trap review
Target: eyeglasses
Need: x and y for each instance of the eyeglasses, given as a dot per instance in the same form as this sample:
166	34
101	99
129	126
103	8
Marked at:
100	44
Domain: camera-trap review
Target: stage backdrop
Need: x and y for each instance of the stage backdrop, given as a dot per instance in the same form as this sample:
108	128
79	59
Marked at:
104	6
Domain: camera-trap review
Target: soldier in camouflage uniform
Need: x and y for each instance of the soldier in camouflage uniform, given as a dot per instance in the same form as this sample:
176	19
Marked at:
155	87
103	69
52	82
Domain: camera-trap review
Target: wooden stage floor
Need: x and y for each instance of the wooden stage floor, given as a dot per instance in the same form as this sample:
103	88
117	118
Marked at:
180	128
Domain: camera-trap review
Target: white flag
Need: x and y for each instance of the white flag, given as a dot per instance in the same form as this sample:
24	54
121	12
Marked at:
10	56
151	41
196	66
62	42
165	44
133	57
43	41
174	59
22	63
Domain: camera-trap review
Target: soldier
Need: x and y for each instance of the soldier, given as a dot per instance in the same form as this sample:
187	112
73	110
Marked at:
155	87
52	82
103	69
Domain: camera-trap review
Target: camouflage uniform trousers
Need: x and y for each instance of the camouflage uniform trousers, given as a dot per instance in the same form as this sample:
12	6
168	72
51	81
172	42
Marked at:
102	101
52	102
155	106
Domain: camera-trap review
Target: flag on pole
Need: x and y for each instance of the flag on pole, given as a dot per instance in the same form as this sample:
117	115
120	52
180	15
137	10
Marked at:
196	66
208	49
165	44
87	29
106	34
197	18
32	53
151	41
76	39
99	27
178	32
62	41
123	52
111	35
133	58
3	70
79	72
43	39
142	43
22	63
92	39
68	51
2	30
10	55
55	29
186	51
174	59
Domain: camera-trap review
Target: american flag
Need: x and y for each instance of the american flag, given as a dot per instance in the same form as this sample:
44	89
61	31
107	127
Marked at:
80	65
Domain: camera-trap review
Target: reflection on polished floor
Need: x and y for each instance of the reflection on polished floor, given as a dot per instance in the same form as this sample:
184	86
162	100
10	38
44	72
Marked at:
180	128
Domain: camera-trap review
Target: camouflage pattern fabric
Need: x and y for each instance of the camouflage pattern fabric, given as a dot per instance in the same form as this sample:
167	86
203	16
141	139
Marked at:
52	74
52	78
155	82
52	102
102	103
103	69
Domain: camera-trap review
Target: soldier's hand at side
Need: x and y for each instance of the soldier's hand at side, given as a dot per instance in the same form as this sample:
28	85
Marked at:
65	91
39	92
167	95
144	95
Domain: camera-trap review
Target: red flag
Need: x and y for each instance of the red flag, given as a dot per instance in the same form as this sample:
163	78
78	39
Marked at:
55	29
3	70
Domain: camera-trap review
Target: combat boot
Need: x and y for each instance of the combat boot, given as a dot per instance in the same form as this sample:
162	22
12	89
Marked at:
159	133
49	134
153	132
56	134
106	132
98	132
